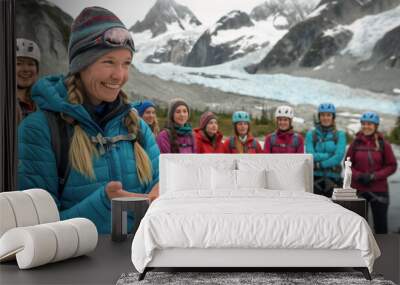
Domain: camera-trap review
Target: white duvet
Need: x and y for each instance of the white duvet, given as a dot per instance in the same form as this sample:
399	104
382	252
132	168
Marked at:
256	218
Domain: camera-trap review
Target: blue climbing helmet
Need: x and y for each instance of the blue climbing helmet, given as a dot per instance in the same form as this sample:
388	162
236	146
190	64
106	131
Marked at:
327	108
240	116
371	117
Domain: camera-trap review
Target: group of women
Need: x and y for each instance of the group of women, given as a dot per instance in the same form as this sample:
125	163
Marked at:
115	145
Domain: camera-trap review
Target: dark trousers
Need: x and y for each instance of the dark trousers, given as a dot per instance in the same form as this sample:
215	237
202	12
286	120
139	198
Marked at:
324	185
379	203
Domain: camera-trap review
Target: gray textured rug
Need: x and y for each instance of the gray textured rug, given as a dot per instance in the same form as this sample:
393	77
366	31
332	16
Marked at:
225	278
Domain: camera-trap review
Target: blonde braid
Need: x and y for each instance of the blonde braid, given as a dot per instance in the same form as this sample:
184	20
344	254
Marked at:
143	163
81	149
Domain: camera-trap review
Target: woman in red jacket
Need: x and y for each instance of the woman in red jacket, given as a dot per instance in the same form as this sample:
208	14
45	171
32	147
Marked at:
208	137
284	139
373	162
242	141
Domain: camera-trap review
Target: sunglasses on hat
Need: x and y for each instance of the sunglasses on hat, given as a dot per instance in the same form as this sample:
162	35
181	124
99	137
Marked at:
114	37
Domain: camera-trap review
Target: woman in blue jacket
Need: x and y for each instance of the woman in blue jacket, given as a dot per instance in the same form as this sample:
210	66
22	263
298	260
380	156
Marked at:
112	152
328	146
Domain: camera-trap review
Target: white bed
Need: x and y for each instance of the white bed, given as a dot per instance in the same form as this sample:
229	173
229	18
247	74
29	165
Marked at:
198	223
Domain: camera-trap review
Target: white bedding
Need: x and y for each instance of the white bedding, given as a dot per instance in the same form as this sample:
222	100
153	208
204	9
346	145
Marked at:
252	218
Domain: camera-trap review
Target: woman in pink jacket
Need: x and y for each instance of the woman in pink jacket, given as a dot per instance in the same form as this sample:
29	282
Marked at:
284	139
177	136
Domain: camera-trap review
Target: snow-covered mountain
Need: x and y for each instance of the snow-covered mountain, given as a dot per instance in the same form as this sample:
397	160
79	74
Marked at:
232	36
341	41
284	13
224	41
166	15
167	33
237	34
220	56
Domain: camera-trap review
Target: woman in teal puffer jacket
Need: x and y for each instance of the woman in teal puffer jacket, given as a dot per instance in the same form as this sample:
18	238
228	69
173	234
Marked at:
328	146
112	152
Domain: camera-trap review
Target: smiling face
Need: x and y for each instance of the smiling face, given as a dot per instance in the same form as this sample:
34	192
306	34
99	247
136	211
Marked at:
212	127
149	115
104	78
242	128
283	123
326	119
27	72
368	128
181	115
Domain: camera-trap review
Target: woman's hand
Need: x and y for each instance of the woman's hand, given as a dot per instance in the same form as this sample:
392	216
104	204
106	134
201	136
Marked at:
114	190
154	193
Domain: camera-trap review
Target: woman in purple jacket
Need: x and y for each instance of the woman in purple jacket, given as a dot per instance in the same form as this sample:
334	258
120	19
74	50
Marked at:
373	161
177	136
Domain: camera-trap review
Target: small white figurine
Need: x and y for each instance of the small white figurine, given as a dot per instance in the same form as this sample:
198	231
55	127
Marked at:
347	174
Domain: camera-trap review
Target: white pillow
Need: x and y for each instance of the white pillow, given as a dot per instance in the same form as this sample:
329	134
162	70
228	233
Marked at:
251	178
188	177
292	179
223	179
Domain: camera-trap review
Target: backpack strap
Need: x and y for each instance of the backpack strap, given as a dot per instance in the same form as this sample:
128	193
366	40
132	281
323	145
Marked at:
232	142
295	141
254	144
315	138
273	141
61	134
191	144
294	144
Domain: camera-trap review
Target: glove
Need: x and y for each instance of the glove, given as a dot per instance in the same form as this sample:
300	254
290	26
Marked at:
366	178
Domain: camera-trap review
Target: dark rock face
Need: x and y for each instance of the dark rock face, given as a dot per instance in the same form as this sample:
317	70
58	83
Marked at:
174	51
234	20
49	27
293	11
294	44
163	13
205	53
301	43
387	50
324	47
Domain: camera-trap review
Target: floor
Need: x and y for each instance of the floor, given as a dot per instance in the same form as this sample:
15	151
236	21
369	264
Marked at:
389	262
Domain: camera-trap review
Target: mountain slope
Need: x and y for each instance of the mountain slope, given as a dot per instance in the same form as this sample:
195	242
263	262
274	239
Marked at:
49	27
163	15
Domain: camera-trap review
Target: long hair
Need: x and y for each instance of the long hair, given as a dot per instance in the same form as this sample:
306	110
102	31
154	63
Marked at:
173	138
82	150
317	122
155	128
169	124
238	144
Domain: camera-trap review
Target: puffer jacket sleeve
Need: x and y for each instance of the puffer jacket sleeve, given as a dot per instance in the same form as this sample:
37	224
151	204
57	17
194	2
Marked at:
390	163
337	157
153	152
163	142
37	169
36	160
317	156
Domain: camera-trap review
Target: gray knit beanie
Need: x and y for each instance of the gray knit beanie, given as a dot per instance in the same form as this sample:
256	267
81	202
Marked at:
90	24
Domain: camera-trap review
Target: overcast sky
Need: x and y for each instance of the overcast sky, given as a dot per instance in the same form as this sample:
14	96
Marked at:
129	11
